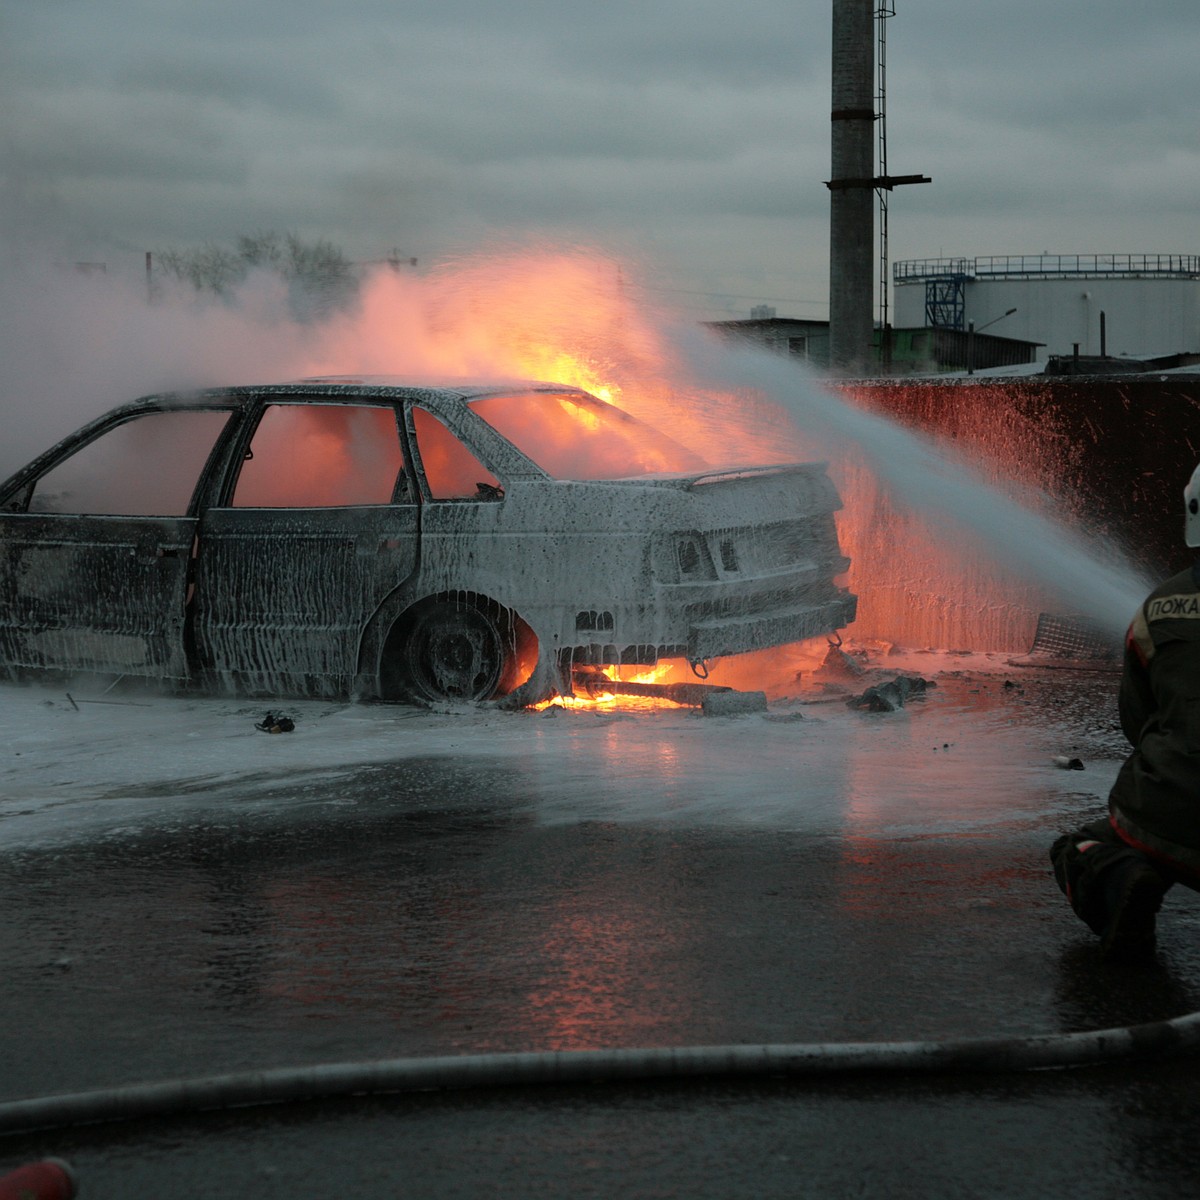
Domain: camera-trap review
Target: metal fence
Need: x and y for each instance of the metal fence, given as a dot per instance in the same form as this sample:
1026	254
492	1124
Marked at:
1062	266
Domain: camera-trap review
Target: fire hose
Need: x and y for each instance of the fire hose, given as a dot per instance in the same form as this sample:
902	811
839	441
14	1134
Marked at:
528	1068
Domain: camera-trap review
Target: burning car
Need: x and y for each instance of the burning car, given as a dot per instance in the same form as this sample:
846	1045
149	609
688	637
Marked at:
362	538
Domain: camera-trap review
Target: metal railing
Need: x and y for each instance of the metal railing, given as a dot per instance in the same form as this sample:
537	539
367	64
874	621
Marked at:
1062	266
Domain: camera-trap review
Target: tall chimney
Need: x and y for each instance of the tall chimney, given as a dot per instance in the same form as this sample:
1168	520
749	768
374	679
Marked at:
851	188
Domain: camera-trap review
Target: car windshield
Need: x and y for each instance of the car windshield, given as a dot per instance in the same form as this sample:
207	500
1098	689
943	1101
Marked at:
573	436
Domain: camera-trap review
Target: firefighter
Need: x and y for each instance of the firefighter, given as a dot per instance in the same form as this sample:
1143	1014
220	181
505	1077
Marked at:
1115	872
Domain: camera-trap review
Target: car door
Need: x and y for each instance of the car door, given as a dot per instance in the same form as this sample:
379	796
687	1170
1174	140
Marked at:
318	528
95	561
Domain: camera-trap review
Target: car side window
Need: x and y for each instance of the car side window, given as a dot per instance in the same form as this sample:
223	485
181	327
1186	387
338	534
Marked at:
452	472
323	456
146	467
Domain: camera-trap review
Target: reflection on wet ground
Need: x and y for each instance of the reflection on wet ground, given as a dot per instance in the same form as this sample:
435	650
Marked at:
570	881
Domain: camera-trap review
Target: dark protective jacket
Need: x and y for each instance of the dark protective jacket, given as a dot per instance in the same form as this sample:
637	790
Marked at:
1155	803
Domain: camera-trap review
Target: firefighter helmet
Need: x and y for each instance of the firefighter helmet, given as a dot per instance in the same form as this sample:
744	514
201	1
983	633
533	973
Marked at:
1191	510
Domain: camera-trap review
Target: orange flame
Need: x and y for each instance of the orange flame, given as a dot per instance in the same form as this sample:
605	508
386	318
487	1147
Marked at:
596	698
553	317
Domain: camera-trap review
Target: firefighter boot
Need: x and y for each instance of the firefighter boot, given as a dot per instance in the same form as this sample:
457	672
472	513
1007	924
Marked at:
1133	892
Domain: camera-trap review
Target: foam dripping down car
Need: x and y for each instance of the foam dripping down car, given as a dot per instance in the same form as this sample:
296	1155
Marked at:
365	538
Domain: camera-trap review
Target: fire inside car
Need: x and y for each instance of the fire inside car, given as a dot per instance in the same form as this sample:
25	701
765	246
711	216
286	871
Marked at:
371	539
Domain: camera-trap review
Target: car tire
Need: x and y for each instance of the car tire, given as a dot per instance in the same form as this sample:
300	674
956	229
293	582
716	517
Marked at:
455	650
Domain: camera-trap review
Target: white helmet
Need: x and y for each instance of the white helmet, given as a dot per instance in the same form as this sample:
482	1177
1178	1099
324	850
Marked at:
1191	510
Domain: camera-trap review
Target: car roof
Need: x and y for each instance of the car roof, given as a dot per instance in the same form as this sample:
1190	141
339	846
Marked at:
440	395
395	387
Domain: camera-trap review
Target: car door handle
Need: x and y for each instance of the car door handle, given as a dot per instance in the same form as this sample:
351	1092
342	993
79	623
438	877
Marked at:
160	552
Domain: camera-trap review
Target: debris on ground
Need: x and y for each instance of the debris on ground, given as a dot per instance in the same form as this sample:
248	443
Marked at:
838	662
887	697
1068	764
272	723
733	704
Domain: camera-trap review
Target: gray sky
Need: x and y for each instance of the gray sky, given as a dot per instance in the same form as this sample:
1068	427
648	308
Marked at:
690	139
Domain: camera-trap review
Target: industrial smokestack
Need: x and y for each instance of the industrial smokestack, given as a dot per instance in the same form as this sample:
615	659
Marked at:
851	186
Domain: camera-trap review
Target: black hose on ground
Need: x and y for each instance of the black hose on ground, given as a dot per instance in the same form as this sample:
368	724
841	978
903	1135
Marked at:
523	1069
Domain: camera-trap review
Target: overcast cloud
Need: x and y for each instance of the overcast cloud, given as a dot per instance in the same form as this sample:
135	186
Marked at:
690	137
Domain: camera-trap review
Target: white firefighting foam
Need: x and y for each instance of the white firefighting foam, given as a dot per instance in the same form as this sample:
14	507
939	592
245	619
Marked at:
90	766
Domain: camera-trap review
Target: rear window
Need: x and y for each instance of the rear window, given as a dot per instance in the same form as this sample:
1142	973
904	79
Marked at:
577	437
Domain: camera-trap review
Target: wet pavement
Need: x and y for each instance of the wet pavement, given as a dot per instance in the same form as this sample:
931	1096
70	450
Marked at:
185	895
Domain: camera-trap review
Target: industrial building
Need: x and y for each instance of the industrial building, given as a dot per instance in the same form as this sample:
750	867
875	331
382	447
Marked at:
906	351
1139	305
1074	313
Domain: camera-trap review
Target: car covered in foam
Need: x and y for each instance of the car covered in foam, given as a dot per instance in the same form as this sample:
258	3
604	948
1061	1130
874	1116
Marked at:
364	538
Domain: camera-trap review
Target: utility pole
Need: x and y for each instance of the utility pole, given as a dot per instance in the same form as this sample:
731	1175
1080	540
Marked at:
852	186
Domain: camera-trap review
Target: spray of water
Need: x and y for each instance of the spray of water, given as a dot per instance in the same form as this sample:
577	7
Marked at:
1092	580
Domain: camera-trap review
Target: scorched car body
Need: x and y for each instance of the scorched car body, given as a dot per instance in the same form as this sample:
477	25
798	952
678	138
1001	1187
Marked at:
362	538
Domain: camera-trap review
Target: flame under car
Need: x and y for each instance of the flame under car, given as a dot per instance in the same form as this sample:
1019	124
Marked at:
363	538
